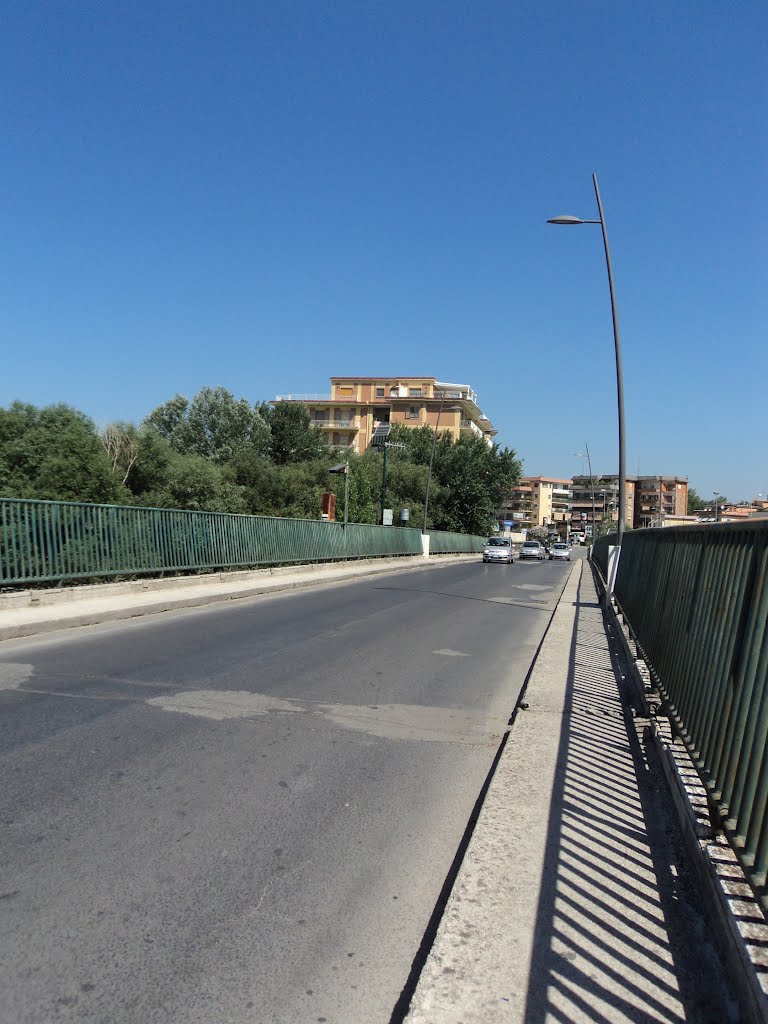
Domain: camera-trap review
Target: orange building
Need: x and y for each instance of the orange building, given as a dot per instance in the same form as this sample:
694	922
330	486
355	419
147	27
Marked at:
357	405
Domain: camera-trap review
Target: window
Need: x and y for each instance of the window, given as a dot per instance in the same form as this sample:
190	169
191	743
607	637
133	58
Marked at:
345	389
414	392
379	392
413	412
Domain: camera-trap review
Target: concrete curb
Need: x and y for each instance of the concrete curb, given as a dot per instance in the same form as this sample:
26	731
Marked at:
28	613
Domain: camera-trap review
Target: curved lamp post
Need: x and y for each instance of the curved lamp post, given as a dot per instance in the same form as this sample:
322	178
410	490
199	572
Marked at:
568	220
343	467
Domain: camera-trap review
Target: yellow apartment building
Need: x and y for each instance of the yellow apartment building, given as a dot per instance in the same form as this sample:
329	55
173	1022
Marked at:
357	405
540	501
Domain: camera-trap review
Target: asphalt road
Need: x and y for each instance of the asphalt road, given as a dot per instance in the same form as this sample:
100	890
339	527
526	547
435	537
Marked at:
247	813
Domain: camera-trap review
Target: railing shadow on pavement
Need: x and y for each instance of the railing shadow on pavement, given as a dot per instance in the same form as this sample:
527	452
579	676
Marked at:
618	934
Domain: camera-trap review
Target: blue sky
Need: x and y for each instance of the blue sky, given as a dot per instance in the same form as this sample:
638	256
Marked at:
264	194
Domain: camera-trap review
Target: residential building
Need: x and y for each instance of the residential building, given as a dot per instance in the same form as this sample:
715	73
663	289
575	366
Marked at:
649	500
357	405
657	497
539	501
600	493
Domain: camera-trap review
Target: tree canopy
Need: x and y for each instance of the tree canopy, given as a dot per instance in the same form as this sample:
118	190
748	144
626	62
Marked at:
220	453
292	438
54	453
215	425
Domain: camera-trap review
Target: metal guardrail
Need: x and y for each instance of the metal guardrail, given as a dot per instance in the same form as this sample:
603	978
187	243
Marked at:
449	543
53	542
696	601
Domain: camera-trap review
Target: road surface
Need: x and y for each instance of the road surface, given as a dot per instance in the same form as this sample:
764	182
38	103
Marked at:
247	813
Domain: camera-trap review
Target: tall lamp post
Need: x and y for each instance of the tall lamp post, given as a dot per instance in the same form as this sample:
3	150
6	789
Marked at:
568	220
343	467
580	455
385	446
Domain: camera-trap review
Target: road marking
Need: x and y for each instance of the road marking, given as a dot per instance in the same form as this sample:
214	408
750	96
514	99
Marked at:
452	654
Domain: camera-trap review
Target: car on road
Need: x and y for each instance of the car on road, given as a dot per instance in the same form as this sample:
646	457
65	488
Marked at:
532	549
560	550
499	549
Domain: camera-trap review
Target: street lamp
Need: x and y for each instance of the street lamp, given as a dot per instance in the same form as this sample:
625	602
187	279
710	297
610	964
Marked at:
580	455
385	445
343	467
717	496
452	408
568	220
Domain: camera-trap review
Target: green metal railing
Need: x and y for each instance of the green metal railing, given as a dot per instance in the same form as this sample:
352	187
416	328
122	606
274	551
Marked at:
448	543
696	601
53	541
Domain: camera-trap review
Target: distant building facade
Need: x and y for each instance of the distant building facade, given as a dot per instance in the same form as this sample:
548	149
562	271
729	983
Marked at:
357	405
649	500
539	501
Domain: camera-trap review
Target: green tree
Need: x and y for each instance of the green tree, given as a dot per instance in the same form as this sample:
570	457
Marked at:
292	490
292	438
470	478
476	478
54	453
170	418
153	456
695	500
215	425
195	483
365	474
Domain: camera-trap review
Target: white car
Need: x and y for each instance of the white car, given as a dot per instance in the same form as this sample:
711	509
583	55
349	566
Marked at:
499	549
532	549
560	550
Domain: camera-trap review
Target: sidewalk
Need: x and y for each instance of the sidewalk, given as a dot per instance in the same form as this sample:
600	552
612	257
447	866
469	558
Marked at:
30	612
575	901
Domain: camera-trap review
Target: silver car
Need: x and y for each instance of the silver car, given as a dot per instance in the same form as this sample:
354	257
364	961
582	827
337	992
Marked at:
532	549
560	550
499	549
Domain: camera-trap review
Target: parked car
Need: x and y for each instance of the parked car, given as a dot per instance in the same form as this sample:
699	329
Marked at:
560	550
499	549
532	549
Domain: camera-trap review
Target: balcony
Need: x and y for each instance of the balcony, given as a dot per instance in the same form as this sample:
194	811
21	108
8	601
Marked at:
472	427
345	424
454	391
